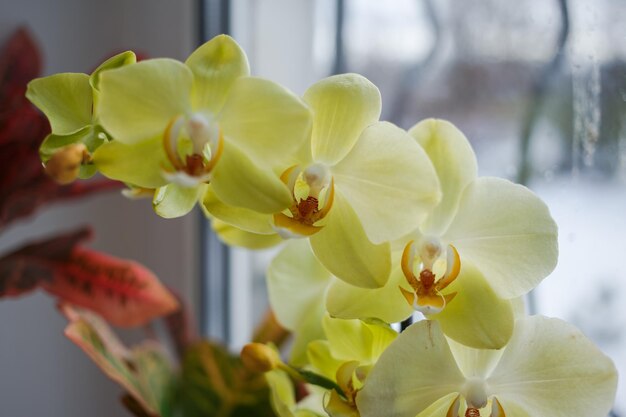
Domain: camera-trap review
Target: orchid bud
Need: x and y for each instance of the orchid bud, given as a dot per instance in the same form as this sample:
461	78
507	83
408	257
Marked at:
258	357
64	165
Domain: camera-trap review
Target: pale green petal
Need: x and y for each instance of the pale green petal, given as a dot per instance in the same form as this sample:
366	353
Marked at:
138	101
53	143
477	363
239	217
306	413
296	283
440	407
387	303
550	369
265	120
117	61
344	249
66	100
234	236
282	395
514	410
357	340
215	66
454	160
507	232
476	316
388	180
348	339
140	164
519	306
322	360
237	181
415	371
173	200
309	330
343	105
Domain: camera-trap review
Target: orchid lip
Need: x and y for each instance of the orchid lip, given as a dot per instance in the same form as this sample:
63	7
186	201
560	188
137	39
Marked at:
313	193
208	144
496	409
427	297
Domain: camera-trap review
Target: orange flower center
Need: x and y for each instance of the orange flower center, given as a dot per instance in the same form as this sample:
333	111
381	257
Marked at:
313	193
426	296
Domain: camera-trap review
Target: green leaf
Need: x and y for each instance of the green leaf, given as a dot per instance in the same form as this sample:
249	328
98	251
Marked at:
213	382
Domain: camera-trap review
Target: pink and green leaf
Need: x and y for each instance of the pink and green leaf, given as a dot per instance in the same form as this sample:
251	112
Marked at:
144	371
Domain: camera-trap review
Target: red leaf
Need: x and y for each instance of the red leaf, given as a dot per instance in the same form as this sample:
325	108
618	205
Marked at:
20	60
26	268
24	187
124	292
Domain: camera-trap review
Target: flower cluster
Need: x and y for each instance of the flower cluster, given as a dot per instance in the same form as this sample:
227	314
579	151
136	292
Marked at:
378	223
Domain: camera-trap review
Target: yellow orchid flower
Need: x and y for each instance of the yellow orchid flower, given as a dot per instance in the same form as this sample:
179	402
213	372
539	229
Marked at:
70	101
548	369
350	350
355	185
469	287
178	126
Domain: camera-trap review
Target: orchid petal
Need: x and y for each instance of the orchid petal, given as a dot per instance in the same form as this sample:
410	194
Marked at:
52	143
415	371
296	283
238	181
140	164
474	363
343	105
455	163
349	302
322	360
385	169
138	101
116	61
356	340
507	232
234	236
173	200
344	249
550	369
265	120
215	66
241	218
66	100
440	407
282	395
476	316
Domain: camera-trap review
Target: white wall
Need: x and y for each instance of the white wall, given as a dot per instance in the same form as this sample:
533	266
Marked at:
42	373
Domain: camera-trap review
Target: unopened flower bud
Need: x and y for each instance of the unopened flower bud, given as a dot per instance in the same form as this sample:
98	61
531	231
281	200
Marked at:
258	357
65	164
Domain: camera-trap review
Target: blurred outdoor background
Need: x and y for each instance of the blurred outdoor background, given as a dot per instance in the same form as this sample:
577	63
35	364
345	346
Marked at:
538	87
